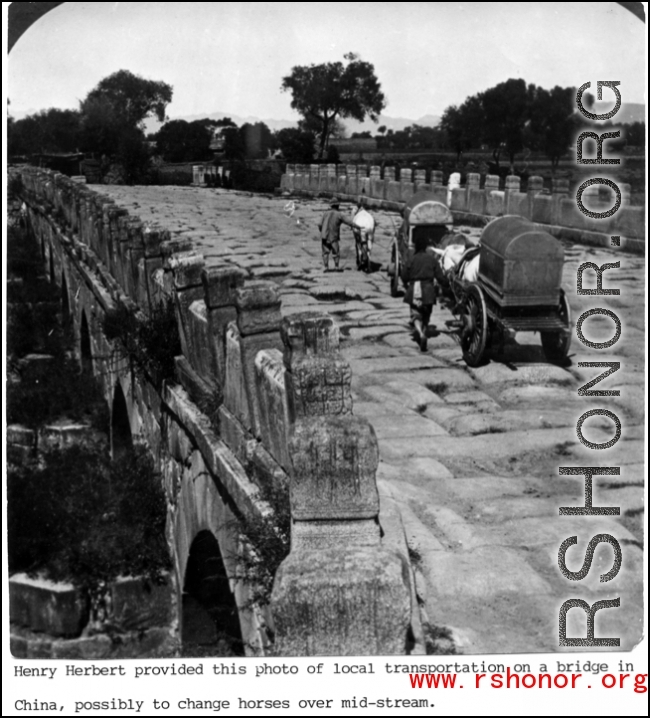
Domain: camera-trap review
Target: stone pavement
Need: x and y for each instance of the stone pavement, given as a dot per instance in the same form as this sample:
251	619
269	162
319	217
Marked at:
470	457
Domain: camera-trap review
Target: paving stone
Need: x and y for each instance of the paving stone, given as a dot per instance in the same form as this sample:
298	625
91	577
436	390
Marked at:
471	397
548	530
365	350
537	374
539	395
428	469
393	364
446	415
407	426
371	409
409	393
357	334
443	380
297	299
510	420
462	574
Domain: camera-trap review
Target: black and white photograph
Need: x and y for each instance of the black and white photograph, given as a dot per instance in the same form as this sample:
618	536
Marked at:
325	349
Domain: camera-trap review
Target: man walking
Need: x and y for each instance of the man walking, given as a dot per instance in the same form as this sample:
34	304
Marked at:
330	233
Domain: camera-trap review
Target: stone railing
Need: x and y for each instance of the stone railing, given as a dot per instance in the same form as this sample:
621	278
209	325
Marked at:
557	209
258	400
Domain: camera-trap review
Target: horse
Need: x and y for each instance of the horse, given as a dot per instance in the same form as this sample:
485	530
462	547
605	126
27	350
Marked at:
363	228
459	261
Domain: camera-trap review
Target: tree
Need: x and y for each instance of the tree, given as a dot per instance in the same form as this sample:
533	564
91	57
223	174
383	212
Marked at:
553	121
331	90
295	144
233	143
635	134
131	97
257	140
119	104
50	130
506	109
181	141
463	125
113	114
223	122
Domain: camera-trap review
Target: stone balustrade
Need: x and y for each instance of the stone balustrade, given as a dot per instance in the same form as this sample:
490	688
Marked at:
557	209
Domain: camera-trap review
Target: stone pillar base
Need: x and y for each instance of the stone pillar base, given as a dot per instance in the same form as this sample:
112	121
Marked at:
338	602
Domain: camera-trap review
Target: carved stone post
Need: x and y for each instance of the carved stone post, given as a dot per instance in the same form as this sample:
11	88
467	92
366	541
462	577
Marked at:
533	188
220	285
339	592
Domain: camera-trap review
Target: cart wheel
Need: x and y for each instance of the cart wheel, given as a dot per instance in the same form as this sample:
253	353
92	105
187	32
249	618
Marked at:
556	344
475	330
394	280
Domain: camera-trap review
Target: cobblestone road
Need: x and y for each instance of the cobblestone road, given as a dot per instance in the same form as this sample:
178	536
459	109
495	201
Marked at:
469	457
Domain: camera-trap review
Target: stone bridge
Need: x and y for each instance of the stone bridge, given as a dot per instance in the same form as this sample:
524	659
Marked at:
257	405
434	530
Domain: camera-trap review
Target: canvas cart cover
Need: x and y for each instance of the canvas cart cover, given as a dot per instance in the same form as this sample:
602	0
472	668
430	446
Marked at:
422	208
521	262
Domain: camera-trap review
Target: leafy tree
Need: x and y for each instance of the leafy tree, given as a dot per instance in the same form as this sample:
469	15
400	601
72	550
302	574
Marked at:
635	134
552	121
182	141
132	98
462	126
506	109
223	122
113	114
257	140
234	147
50	130
331	90
295	144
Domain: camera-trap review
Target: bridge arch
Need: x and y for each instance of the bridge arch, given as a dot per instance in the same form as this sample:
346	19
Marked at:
121	436
52	270
85	347
210	614
66	314
201	507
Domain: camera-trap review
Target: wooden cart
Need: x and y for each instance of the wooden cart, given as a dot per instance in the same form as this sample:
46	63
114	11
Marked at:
518	289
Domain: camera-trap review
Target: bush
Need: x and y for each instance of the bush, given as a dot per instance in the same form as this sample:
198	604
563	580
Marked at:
84	519
270	540
61	391
149	343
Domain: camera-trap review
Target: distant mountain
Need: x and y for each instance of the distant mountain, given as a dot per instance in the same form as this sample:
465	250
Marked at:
630	112
392	123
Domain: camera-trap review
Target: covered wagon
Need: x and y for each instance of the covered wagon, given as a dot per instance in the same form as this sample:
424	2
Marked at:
519	288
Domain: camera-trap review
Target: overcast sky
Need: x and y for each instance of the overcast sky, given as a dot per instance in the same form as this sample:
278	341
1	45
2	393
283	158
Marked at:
231	57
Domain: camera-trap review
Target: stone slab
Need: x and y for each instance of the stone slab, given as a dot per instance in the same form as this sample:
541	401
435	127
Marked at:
273	405
58	609
394	364
407	426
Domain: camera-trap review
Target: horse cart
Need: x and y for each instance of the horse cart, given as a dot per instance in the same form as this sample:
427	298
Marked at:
424	217
518	288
